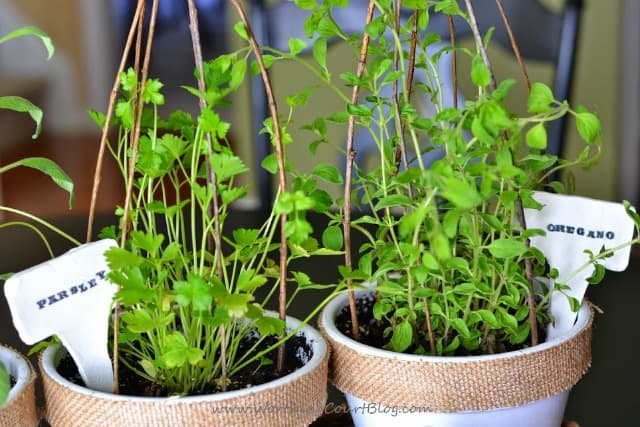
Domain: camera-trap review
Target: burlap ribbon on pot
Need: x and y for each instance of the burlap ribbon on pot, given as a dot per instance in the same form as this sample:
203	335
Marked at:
434	386
297	403
21	411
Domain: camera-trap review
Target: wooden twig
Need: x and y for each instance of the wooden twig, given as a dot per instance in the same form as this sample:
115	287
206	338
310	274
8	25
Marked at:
132	163
282	181
212	181
454	71
514	46
351	153
107	122
400	151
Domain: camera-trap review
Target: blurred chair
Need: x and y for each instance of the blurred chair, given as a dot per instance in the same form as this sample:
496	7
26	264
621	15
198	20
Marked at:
541	34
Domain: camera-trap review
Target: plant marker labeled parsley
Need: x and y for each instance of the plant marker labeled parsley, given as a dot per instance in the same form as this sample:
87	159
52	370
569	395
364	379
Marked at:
70	297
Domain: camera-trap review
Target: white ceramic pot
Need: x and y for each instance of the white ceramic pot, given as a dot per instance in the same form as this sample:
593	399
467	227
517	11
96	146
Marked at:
20	407
524	388
294	400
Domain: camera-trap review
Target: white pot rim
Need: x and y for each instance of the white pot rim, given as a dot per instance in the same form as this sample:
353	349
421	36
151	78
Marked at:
327	320
18	368
51	356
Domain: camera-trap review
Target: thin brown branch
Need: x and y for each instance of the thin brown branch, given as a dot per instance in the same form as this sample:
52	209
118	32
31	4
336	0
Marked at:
514	46
107	122
400	151
212	181
131	172
454	71
346	221
282	181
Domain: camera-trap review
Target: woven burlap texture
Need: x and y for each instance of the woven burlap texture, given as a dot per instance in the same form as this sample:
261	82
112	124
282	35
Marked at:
21	411
297	403
504	382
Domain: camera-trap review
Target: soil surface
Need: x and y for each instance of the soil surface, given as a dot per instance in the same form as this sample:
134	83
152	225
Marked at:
372	330
297	353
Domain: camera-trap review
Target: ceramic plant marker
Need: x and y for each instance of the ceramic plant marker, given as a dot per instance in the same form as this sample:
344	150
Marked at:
71	298
572	225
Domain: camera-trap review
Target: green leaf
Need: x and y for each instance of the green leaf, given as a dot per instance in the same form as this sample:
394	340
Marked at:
327	173
410	222
508	321
322	201
489	318
147	241
332	238
588	126
597	276
461	193
176	351
22	105
193	292
296	46
152	93
236	304
5	384
506	248
540	98
245	236
461	327
240	30
480	74
268	325
31	31
133	288
227	166
248	280
270	163
441	247
48	167
429	261
118	258
402	336
320	52
537	137
450	7
138	321
306	4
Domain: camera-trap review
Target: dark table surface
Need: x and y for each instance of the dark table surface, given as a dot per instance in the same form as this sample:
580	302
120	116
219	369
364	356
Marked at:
606	395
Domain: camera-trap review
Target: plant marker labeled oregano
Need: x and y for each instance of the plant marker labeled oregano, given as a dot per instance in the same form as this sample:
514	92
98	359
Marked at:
583	237
69	297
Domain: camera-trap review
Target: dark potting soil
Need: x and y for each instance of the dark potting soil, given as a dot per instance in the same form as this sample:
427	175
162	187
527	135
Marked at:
372	330
297	353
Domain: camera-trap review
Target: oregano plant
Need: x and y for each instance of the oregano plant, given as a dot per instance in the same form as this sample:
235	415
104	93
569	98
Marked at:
441	205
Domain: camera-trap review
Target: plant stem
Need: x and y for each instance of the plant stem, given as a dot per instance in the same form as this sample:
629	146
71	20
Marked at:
282	181
41	222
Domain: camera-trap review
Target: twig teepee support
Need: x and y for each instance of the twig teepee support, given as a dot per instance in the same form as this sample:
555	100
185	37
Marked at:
282	181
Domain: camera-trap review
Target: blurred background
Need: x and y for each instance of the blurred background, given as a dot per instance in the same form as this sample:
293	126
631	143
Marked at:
89	35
